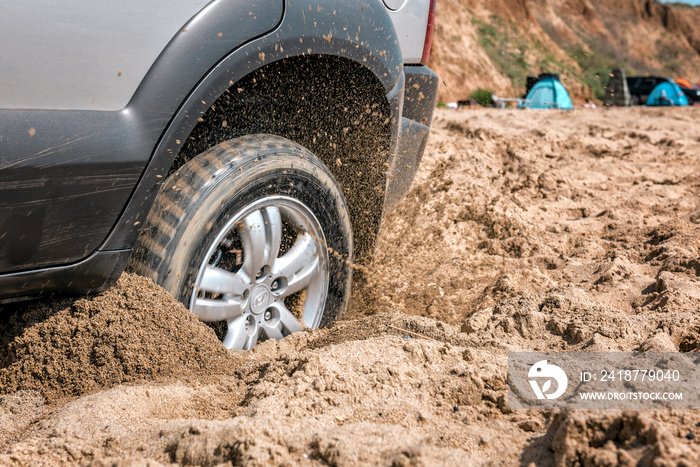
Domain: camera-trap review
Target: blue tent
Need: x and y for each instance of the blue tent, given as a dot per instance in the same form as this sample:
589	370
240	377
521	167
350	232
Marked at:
667	93
548	93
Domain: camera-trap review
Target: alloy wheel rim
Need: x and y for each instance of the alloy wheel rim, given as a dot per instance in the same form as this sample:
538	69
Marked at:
280	284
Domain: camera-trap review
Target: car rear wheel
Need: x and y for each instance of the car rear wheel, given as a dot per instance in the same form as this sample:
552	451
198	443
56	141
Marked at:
253	234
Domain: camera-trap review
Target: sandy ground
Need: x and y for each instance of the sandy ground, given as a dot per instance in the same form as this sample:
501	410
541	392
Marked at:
524	230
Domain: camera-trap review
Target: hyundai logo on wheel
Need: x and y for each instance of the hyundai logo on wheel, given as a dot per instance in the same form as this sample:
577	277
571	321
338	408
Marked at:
260	299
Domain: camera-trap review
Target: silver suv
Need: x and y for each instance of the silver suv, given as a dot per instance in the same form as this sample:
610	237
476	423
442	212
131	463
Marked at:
241	154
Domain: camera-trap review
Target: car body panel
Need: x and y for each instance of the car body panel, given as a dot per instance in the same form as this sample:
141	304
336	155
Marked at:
54	58
692	94
76	185
93	274
358	32
419	99
410	19
641	86
66	175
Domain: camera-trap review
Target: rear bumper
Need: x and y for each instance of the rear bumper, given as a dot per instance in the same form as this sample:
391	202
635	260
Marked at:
420	95
419	98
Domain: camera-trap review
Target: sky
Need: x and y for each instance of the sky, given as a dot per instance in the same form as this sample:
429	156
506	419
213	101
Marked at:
691	2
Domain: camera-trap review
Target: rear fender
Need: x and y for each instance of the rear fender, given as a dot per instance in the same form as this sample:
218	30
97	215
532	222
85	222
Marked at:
362	32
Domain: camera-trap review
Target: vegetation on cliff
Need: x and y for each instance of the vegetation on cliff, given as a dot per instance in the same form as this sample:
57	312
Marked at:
496	44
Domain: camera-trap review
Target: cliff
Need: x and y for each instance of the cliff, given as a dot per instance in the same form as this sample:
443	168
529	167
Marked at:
496	44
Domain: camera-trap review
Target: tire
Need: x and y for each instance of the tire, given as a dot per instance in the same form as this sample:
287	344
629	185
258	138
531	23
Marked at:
253	233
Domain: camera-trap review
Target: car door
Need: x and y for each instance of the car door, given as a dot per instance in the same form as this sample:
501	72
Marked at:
73	144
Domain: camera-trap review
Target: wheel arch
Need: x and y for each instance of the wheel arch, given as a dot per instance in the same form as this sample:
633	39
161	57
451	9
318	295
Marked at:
359	55
309	99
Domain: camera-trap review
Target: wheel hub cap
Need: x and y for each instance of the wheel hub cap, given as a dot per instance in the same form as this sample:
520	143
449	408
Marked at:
250	296
260	298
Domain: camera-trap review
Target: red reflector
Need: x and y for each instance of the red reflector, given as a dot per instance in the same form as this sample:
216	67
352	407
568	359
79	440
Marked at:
428	34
